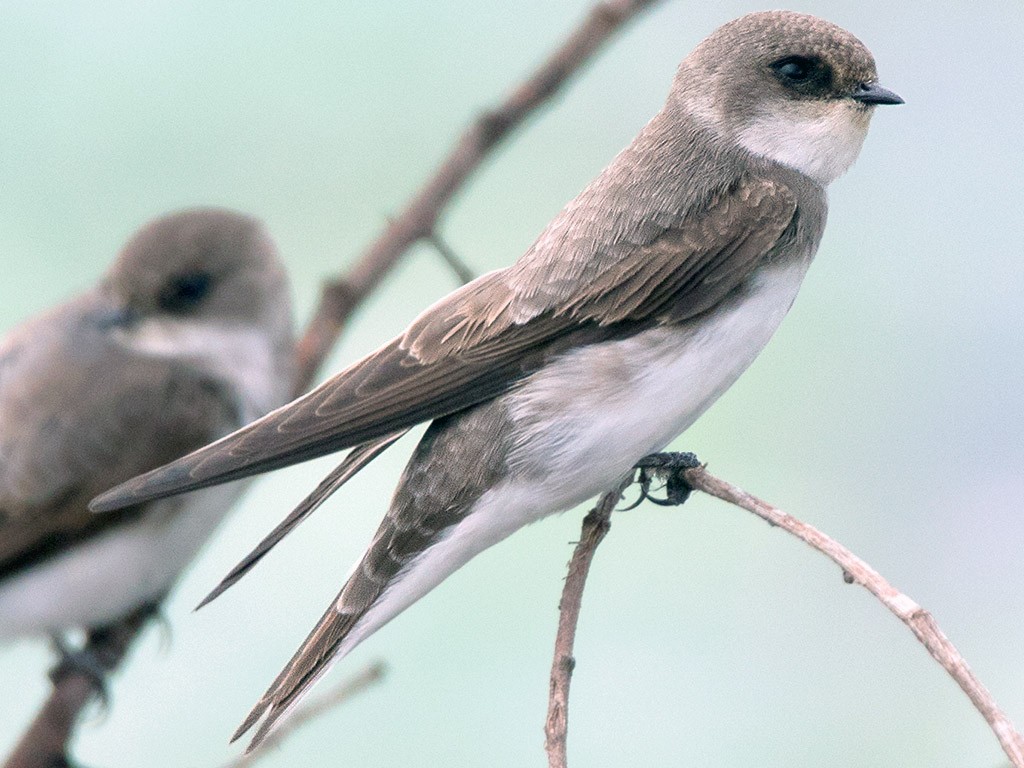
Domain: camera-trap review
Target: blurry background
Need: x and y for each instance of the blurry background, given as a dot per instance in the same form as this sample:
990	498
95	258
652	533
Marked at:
887	411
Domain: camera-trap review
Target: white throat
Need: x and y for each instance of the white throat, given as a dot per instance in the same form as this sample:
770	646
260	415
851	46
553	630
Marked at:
239	354
822	146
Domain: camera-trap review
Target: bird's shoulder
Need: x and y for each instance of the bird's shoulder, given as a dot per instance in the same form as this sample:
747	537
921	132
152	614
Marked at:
604	269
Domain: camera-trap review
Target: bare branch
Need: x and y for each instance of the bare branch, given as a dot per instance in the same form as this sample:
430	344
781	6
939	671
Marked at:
420	216
856	571
679	467
455	263
346	690
44	744
595	526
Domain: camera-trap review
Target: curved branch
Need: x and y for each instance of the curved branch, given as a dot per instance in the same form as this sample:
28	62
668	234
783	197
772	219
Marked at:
855	571
596	525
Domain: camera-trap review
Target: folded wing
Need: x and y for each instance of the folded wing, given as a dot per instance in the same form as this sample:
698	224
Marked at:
478	341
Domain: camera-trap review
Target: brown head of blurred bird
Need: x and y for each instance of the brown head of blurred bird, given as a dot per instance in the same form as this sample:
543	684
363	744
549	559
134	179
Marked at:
187	337
633	311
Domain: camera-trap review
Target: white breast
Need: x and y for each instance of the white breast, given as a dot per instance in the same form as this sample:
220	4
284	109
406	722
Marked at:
587	418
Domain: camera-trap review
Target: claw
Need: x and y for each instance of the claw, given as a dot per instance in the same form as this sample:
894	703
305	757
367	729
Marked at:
671	467
640	500
163	624
643	479
82	661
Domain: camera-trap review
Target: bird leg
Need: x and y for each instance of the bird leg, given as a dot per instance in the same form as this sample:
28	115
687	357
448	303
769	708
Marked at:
82	661
102	651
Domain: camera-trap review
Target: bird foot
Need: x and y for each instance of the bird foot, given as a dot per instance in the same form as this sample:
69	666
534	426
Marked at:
80	661
668	468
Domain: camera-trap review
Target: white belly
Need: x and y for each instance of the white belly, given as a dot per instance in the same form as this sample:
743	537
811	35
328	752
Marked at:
115	572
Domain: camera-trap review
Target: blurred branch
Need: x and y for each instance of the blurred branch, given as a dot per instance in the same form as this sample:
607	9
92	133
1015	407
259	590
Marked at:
340	694
855	571
455	263
418	220
45	743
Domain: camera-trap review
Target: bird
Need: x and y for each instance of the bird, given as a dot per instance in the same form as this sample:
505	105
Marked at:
187	337
544	382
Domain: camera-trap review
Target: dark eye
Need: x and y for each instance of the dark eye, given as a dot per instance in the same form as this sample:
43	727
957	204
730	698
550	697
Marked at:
796	68
185	291
803	73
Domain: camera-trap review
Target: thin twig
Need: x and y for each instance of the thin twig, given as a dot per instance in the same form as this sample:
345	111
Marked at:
420	216
44	744
328	701
595	526
455	263
856	571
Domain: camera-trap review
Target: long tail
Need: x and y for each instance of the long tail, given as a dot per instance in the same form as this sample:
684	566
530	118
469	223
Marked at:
311	662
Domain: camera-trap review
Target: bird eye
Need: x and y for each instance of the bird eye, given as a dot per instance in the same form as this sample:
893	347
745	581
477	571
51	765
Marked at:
794	68
802	73
185	291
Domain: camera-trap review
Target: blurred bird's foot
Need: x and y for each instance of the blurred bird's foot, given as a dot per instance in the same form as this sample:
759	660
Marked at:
103	649
80	661
669	468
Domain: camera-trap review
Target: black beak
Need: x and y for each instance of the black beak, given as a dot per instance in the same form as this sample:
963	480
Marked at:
873	93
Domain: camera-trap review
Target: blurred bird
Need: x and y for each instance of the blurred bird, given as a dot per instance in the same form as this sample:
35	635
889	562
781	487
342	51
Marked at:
634	310
187	337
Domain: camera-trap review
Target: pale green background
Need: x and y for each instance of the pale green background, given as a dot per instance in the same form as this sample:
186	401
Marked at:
888	410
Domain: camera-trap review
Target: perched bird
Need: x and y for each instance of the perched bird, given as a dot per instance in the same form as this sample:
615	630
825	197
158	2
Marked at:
637	307
187	337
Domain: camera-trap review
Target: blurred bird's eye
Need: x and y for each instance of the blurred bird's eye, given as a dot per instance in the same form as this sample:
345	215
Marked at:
185	291
803	73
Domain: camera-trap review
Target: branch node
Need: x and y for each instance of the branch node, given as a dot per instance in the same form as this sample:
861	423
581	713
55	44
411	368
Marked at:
455	262
339	296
